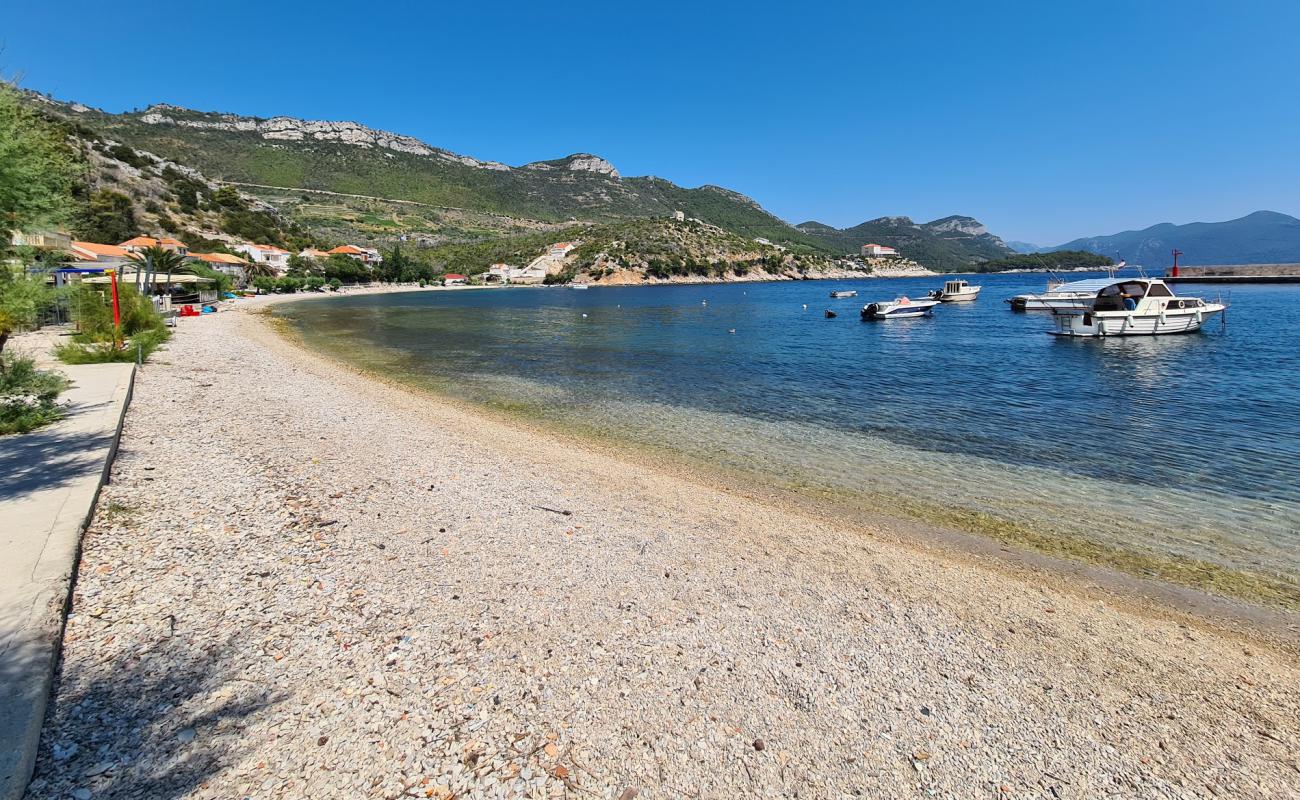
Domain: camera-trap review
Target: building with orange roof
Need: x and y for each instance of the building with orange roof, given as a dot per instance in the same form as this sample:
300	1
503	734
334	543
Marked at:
561	249
222	262
100	253
141	242
365	255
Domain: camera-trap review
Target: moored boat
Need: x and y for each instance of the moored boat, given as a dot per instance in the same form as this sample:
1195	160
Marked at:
956	291
577	286
898	308
844	293
1135	307
1060	296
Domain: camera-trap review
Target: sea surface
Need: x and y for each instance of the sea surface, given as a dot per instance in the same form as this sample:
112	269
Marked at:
1178	446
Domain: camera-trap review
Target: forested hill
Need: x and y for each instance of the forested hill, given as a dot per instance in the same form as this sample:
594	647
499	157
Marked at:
951	244
349	158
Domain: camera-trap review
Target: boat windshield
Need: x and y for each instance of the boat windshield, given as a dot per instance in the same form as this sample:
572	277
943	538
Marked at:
1120	296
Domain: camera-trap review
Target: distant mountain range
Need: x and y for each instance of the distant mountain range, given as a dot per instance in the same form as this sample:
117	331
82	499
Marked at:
351	159
1264	237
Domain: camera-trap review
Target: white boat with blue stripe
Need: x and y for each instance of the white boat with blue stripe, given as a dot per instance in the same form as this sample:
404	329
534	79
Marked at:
899	308
1135	307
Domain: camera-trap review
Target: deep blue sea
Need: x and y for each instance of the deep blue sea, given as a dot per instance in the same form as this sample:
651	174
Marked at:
1184	445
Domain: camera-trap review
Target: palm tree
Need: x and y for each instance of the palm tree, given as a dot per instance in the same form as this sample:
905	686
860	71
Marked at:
257	269
154	259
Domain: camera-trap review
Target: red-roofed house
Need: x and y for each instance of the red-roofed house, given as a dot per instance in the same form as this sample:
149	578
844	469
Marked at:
561	249
141	242
222	262
363	254
453	279
100	253
878	251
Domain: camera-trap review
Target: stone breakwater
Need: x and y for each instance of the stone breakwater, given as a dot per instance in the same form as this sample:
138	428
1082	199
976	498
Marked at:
305	583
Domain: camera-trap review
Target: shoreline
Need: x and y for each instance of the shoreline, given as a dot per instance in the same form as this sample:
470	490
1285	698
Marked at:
302	581
1090	565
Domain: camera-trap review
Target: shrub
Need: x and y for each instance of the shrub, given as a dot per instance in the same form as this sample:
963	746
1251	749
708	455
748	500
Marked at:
139	346
27	395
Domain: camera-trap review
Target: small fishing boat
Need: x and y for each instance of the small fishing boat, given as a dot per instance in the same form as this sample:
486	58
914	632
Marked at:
1135	307
957	291
844	293
898	308
1059	296
578	286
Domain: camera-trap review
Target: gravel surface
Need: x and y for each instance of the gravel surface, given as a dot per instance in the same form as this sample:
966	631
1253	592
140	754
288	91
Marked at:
303	583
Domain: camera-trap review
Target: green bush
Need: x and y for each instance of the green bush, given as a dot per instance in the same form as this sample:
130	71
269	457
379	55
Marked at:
142	330
27	395
139	346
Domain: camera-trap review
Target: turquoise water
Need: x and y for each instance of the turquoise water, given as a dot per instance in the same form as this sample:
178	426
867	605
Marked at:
1178	445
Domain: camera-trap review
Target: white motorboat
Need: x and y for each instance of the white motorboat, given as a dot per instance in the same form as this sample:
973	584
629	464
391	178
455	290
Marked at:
578	286
1061	296
956	291
898	308
1135	307
845	293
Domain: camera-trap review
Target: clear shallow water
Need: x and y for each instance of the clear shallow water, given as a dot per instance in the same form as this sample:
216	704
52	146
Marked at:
1179	445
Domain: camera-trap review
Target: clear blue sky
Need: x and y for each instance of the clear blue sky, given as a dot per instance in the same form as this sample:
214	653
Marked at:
1046	120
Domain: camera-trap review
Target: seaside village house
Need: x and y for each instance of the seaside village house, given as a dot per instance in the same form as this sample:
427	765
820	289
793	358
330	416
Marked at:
223	262
277	258
142	242
454	279
504	273
363	254
561	249
878	251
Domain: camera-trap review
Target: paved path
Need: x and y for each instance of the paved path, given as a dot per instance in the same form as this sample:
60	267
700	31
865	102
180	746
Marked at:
49	480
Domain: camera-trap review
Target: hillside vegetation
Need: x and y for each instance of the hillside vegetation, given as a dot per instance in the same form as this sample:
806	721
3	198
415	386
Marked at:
635	251
1059	260
230	148
951	244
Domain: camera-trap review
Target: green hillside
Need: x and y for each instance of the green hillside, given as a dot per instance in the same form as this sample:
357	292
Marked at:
951	244
230	148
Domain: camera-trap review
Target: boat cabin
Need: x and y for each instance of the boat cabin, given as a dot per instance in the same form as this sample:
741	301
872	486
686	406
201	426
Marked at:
1128	295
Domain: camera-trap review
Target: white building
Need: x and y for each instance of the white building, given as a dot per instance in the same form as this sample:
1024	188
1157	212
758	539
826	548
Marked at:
504	273
878	251
277	258
561	249
680	216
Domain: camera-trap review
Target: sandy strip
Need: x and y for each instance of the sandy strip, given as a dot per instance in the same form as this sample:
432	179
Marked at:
305	583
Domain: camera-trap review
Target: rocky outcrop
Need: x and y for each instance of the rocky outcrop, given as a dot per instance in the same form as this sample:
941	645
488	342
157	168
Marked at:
957	224
299	130
578	162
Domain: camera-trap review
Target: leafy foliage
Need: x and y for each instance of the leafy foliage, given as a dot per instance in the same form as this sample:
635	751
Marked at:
1058	260
98	341
107	216
22	299
37	168
28	396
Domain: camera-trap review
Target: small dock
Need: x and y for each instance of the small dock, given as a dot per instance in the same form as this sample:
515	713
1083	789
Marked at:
1238	273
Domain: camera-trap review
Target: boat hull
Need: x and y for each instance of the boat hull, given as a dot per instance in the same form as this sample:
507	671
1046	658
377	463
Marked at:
960	297
892	311
1119	323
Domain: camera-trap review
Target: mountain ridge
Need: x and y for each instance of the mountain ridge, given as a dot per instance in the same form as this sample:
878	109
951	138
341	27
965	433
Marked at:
349	158
1261	237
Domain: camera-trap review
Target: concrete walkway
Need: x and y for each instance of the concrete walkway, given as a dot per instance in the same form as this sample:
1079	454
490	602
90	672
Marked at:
49	480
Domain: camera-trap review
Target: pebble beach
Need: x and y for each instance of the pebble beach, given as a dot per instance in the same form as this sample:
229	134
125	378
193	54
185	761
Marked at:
304	582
